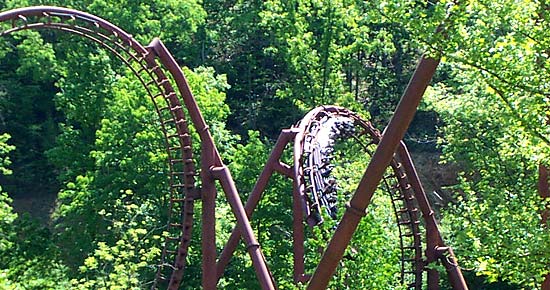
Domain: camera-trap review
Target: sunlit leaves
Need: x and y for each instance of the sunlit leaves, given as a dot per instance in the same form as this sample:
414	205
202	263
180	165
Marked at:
5	148
280	57
495	224
37	59
7	217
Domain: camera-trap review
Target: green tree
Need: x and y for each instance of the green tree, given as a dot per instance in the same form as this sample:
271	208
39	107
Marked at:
339	52
490	95
495	223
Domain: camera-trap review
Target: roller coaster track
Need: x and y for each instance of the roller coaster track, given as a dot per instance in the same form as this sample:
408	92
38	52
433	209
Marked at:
315	187
153	76
323	128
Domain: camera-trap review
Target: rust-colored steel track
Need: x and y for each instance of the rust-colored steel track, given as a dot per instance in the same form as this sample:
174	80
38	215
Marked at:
314	186
143	62
323	128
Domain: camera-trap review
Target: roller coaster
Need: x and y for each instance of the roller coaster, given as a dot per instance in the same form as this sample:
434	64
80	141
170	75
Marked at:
315	194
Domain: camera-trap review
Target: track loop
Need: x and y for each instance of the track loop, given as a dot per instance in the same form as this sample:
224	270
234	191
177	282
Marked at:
172	120
323	129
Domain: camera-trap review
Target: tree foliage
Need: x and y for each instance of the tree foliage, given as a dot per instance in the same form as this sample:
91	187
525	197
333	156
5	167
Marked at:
83	131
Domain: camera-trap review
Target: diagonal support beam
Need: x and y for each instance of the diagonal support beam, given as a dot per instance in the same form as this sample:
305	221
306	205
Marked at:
435	247
253	247
273	165
212	168
381	158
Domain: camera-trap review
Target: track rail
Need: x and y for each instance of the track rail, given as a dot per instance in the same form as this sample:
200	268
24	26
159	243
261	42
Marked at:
322	129
143	63
314	187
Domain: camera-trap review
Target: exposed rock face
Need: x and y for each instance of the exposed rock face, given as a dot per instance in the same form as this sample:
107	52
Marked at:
435	176
39	207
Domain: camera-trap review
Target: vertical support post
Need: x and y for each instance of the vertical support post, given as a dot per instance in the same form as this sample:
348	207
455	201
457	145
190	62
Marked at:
298	208
297	217
433	279
208	234
373	174
298	238
433	237
454	274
